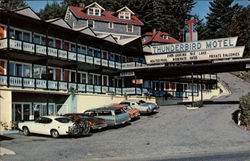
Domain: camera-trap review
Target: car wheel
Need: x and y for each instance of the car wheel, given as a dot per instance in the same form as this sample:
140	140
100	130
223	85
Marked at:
54	133
26	131
86	128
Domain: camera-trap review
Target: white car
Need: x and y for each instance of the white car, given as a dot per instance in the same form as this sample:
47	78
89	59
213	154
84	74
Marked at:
51	125
144	107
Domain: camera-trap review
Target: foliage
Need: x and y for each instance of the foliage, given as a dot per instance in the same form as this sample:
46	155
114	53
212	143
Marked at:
54	10
12	4
245	110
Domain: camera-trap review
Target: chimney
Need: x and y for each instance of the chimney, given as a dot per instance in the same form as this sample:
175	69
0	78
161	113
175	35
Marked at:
154	31
82	5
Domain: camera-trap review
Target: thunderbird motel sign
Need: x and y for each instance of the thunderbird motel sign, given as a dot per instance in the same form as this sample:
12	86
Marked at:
195	45
214	54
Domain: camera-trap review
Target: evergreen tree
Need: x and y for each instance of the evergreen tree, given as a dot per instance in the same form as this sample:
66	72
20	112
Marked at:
240	26
220	18
12	4
54	10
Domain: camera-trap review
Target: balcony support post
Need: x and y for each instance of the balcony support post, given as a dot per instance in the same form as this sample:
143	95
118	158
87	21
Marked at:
8	72
47	74
8	31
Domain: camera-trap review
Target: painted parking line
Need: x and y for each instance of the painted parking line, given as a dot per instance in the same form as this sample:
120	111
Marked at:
4	151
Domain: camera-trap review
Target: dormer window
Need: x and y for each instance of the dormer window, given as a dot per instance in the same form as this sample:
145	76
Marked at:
94	11
130	28
165	37
125	15
91	23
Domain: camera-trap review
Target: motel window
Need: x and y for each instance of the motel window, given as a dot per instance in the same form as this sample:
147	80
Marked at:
111	25
124	15
94	11
105	55
105	80
117	58
90	79
124	59
83	78
130	28
18	35
51	43
39	72
26	36
111	57
20	70
97	53
43	41
73	47
90	52
11	33
37	39
91	23
73	77
81	49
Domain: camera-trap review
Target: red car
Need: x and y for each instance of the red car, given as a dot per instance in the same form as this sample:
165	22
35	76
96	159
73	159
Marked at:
94	123
133	112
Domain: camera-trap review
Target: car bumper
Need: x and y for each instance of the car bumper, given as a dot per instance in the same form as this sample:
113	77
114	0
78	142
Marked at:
100	126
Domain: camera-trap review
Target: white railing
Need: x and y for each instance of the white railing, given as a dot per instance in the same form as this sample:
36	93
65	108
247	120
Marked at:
118	65
16	81
81	87
72	86
52	51
112	64
62	54
97	61
3	43
3	80
89	59
104	62
29	82
118	91
28	47
128	90
41	49
63	85
105	89
52	84
72	56
81	58
90	88
97	89
41	84
111	89
16	44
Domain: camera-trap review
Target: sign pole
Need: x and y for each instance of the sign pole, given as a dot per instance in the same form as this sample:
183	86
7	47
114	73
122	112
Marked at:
201	90
192	84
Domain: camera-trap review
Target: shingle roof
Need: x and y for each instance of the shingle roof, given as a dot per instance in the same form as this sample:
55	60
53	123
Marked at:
157	36
106	16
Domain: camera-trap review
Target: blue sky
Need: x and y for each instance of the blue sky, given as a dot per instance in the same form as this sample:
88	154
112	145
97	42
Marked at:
201	8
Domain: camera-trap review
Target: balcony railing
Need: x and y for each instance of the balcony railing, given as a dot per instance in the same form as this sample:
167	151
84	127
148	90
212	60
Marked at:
63	54
34	83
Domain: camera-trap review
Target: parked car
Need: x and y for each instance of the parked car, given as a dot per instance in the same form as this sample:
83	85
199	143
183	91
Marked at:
91	121
113	116
144	107
51	125
133	112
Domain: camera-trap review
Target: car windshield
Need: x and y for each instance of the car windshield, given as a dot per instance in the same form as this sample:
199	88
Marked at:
84	116
141	102
119	111
63	120
126	108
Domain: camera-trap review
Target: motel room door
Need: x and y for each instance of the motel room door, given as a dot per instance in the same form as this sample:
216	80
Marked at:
21	111
41	109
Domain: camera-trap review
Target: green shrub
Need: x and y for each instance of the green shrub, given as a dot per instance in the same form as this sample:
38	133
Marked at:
245	110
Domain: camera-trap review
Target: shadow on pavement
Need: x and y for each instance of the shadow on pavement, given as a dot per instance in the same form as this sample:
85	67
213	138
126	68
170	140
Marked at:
2	137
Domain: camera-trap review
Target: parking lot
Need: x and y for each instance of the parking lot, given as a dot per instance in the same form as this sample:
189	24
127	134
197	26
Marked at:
172	132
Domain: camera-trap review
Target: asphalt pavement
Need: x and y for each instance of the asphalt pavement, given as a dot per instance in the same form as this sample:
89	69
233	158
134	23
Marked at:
174	133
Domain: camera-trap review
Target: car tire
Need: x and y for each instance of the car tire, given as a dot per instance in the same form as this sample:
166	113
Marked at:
26	131
54	133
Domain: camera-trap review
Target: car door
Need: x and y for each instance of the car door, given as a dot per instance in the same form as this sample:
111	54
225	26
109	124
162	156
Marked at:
42	126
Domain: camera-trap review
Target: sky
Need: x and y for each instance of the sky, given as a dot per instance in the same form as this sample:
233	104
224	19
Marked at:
201	8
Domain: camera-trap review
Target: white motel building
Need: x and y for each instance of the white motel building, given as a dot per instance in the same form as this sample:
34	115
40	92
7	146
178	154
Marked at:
83	61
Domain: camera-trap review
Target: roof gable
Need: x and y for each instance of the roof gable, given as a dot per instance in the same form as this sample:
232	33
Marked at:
95	4
27	11
110	38
157	36
86	30
125	9
59	22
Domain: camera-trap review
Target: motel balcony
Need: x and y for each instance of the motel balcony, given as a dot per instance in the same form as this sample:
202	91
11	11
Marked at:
52	85
43	50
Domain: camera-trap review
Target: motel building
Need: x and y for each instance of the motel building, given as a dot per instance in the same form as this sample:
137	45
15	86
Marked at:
89	59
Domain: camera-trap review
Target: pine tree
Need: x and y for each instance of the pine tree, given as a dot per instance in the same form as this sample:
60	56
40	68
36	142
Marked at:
12	4
54	10
220	17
